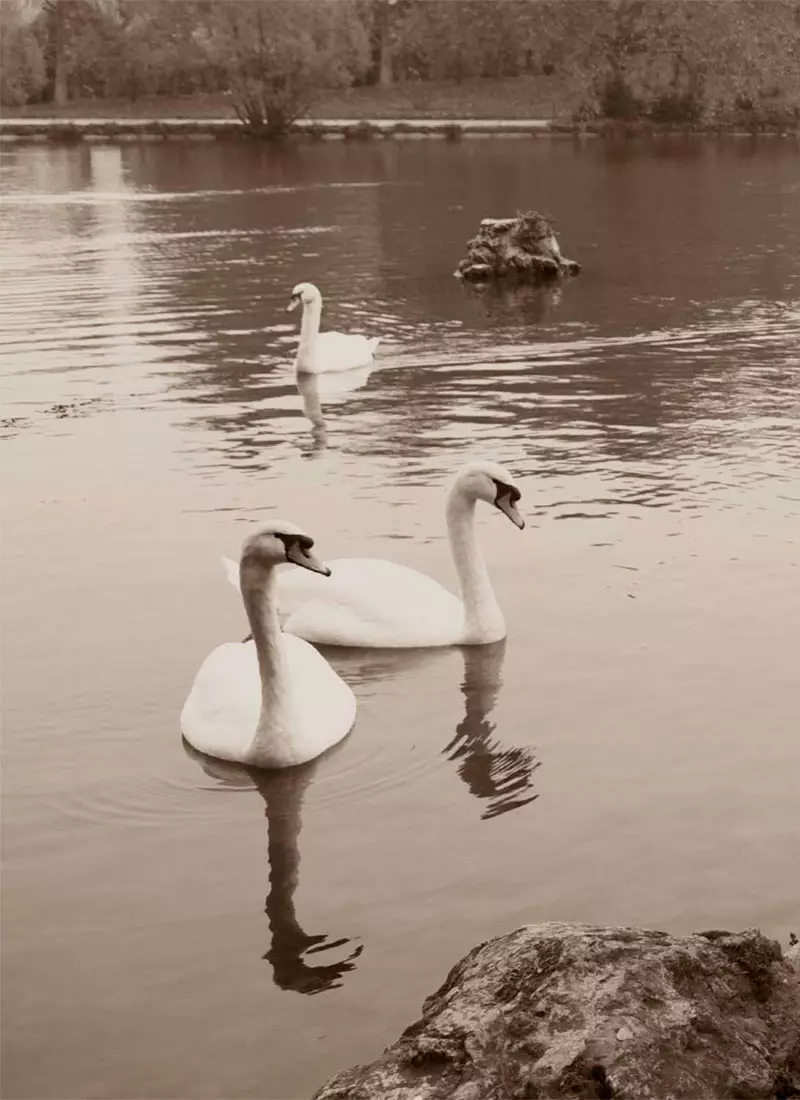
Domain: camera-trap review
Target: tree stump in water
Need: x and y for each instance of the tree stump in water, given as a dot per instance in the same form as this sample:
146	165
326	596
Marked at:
524	247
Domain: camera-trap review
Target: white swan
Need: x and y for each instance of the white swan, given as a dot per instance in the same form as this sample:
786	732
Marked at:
325	351
376	603
274	701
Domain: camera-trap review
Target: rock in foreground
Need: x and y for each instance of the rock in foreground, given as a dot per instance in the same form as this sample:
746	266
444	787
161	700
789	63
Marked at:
525	247
570	1010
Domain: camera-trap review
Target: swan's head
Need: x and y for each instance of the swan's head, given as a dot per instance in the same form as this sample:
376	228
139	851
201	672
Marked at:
492	483
278	542
303	294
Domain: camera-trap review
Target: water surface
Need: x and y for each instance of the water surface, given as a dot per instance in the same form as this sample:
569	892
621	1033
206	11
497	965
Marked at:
174	928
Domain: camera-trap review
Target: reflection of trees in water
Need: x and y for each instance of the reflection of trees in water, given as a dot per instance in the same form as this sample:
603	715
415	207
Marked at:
501	777
291	947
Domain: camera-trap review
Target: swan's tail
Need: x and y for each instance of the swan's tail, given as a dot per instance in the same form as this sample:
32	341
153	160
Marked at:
231	571
373	343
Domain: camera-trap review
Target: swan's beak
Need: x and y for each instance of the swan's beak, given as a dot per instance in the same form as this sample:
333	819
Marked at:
293	304
303	557
509	508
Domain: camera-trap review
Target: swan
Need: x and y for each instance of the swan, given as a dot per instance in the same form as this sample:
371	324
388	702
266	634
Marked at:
325	351
374	603
273	701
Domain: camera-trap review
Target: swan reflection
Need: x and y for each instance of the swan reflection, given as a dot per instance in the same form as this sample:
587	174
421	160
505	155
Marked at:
501	777
308	388
291	949
313	388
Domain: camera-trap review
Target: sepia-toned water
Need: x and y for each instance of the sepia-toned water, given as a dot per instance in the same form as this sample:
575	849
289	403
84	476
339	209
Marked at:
178	929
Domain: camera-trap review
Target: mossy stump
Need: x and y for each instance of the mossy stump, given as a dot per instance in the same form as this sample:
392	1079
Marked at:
524	247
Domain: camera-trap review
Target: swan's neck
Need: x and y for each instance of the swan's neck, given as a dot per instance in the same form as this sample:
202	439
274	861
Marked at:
309	326
273	735
483	619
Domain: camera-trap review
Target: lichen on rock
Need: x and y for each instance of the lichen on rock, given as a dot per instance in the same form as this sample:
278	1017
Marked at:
524	247
556	1010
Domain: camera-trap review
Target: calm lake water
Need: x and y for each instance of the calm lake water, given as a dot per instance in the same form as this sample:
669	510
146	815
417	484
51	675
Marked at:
175	929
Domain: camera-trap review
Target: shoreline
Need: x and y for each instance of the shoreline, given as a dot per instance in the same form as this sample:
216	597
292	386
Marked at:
74	130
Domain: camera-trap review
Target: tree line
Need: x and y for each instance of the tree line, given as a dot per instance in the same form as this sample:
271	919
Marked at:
676	60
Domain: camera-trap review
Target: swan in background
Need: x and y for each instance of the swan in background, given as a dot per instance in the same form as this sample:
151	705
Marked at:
291	946
273	701
375	603
318	351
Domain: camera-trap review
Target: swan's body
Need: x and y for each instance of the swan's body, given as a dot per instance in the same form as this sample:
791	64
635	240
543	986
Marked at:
318	351
273	701
374	603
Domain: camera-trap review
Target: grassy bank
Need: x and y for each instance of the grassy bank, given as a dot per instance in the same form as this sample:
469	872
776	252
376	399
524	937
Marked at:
525	97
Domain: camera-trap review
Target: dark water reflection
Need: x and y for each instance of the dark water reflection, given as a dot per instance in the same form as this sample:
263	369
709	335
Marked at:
650	410
503	777
290	947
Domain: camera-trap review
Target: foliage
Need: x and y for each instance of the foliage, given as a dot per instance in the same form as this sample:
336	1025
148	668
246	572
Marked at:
617	100
671	60
278	55
23	74
679	107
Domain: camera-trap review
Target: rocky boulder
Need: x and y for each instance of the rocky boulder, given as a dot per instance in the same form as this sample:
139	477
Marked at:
570	1010
524	247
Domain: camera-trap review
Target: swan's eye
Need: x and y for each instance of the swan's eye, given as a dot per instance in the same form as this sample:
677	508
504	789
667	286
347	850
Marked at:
511	491
304	542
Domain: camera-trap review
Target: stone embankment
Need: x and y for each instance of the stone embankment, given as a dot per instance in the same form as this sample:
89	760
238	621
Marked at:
227	129
556	1011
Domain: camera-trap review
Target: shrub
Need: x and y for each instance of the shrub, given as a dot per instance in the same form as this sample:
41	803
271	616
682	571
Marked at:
617	100
676	107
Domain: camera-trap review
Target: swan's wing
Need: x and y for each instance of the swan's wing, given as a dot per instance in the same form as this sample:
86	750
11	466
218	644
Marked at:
342	351
231	571
221	713
324	705
341	382
367	601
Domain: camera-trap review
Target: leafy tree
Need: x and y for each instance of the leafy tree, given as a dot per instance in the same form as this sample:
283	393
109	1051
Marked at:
669	58
693	56
277	56
163	49
23	73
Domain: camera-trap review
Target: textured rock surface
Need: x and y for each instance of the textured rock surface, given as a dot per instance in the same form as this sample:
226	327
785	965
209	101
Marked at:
524	247
570	1010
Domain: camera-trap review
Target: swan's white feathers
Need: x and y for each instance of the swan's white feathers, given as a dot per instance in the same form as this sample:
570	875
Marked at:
365	597
221	714
231	570
334	351
374	603
371	601
319	352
